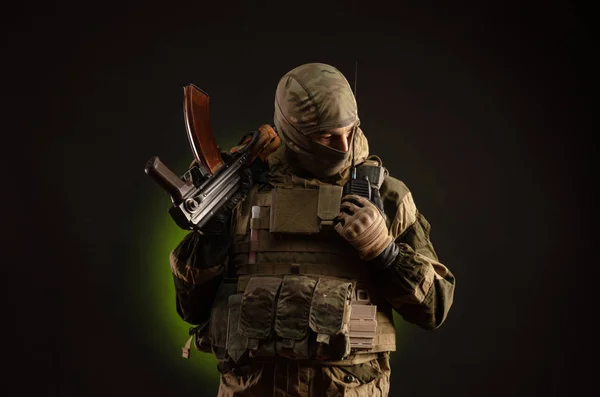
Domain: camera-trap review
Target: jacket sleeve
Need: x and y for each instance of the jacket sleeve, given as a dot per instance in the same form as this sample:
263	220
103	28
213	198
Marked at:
417	285
198	265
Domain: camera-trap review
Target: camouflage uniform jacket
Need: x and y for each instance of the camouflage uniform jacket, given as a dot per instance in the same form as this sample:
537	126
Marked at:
416	285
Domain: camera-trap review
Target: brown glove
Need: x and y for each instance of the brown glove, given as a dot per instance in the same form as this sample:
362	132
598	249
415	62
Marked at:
361	223
268	142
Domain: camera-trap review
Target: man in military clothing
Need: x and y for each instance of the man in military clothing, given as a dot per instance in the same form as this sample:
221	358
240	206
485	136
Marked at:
292	284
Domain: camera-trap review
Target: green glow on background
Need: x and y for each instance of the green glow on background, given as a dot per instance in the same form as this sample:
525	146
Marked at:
168	332
168	236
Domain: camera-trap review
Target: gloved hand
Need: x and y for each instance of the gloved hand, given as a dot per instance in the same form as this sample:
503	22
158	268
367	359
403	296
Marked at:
361	223
218	223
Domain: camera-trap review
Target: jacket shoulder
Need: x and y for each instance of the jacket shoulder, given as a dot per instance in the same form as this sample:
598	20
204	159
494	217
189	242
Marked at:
398	206
393	190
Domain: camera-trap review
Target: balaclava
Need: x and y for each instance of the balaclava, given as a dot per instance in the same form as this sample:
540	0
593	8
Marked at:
311	98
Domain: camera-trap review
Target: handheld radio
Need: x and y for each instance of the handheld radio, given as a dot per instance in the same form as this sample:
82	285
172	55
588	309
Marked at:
365	180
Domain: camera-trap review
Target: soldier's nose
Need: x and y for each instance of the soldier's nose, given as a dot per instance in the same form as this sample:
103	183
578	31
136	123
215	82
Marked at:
342	143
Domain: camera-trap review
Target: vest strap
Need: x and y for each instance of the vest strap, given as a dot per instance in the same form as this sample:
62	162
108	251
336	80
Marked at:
288	245
333	270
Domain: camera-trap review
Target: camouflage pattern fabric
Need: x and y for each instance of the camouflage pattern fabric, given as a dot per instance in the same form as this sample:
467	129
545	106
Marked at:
311	98
289	378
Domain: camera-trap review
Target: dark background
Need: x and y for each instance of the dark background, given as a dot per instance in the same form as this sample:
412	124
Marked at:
481	110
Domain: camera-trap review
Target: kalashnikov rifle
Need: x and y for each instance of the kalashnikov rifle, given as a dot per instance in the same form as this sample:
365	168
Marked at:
210	181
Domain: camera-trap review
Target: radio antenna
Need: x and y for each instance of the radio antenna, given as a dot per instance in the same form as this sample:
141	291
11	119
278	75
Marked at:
353	169
355	77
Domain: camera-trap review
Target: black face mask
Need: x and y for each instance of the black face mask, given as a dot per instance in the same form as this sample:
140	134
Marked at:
304	154
321	160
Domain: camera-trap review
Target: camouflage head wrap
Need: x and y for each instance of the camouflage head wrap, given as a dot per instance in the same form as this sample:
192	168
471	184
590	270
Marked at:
312	98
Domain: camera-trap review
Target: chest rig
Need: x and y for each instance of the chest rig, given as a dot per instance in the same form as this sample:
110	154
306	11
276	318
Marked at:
297	290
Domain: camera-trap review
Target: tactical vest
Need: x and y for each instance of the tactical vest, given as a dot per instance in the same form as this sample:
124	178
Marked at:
299	290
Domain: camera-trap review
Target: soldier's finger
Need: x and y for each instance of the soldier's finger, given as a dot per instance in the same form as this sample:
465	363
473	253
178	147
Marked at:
340	220
346	210
363	201
354	198
348	206
339	225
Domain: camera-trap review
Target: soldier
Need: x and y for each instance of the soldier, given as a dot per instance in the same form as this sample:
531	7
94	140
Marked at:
293	282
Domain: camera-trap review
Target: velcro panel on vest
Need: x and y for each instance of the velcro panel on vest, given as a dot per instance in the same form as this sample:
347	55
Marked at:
329	202
218	319
258	309
294	211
